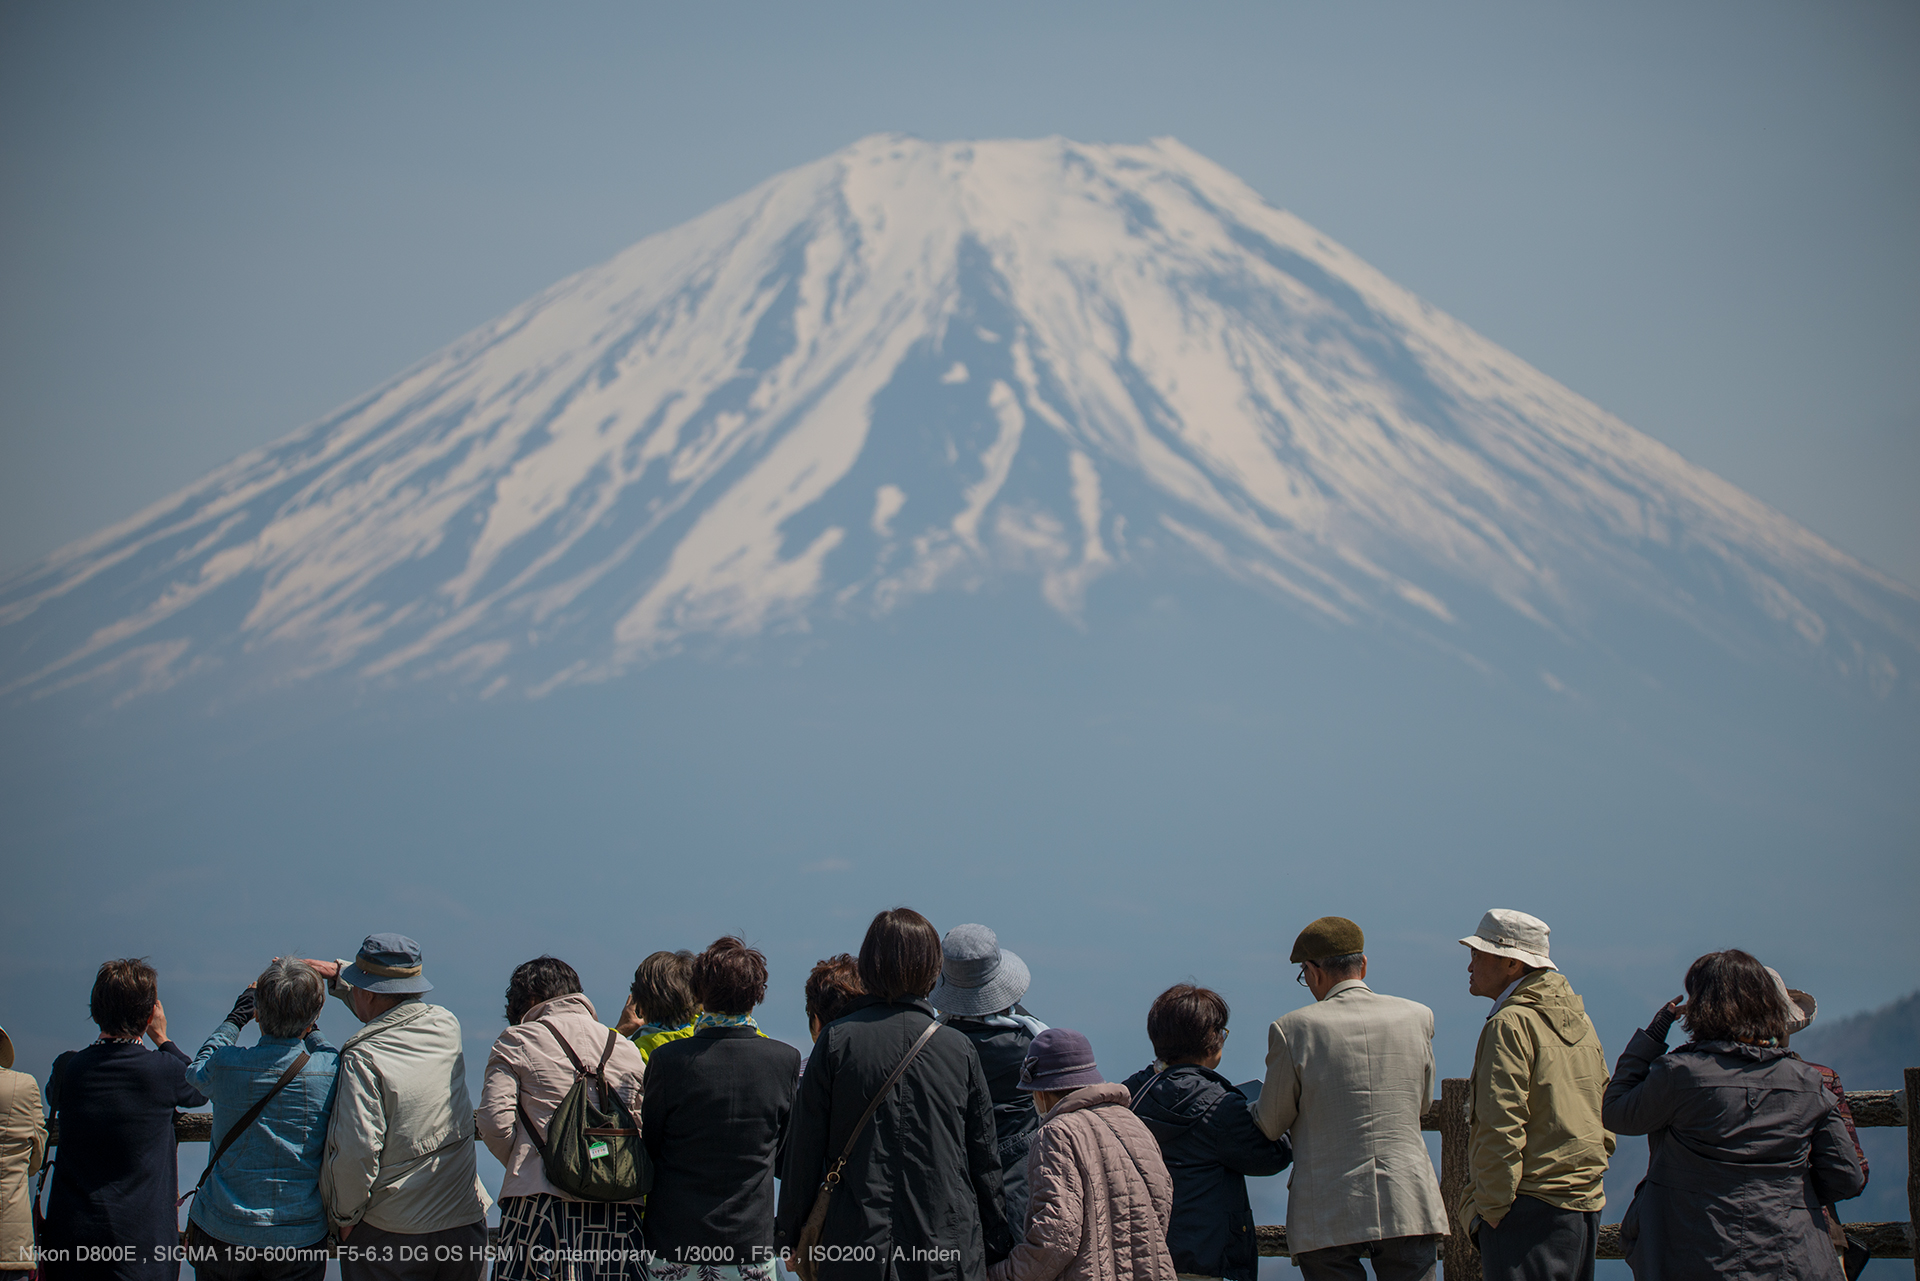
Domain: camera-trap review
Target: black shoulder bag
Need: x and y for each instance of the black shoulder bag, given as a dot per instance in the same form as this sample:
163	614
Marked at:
806	1250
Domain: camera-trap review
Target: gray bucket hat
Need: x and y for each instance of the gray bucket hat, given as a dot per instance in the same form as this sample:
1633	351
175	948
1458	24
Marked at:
388	963
977	975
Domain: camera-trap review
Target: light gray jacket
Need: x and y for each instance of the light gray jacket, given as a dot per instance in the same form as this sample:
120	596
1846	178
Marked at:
400	1144
1348	1078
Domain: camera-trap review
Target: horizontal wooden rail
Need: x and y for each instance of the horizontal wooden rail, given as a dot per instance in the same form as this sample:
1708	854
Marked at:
1871	1108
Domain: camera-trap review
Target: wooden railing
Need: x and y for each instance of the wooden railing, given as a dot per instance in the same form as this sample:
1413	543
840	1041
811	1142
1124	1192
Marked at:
1448	1115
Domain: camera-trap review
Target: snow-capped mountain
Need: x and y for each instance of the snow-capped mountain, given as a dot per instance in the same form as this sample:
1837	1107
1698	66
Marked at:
911	368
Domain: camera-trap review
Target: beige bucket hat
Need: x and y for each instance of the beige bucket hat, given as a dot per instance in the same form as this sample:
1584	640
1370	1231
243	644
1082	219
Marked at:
1800	1006
1505	932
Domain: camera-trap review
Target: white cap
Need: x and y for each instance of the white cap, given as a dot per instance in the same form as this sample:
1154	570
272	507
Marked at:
1505	932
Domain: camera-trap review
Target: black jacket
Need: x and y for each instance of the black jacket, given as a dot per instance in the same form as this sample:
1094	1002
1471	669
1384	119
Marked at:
1744	1145
714	1114
115	1178
1002	1050
1210	1143
920	1196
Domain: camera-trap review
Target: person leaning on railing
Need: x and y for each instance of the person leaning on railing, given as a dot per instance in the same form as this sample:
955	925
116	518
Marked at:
263	1193
398	1177
529	1073
1744	1142
115	1179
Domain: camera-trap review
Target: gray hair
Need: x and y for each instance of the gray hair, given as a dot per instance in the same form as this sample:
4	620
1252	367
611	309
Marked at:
288	997
1341	967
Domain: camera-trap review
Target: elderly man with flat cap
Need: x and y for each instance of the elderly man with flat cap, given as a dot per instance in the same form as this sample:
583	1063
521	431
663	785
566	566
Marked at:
1537	1152
398	1178
1347	1079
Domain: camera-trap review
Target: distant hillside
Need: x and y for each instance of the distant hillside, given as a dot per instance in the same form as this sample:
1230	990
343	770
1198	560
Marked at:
1870	1050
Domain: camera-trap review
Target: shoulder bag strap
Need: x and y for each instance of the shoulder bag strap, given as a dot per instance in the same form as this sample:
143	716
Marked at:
578	1066
580	1069
252	1115
874	1105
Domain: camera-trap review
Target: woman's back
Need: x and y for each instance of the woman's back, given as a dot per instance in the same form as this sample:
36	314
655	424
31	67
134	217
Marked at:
115	1180
924	1175
1744	1146
1101	1196
716	1110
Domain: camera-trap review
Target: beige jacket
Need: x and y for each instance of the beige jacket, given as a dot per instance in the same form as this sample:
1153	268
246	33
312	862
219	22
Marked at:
1348	1078
400	1143
1538	1077
1100	1196
23	1146
529	1068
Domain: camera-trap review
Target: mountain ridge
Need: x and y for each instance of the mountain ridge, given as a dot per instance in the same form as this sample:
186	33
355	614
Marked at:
911	367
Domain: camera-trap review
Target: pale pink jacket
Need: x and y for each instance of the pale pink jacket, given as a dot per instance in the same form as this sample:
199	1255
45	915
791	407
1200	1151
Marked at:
1100	1196
529	1067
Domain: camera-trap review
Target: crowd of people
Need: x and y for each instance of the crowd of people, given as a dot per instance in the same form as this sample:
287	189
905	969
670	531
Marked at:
936	1130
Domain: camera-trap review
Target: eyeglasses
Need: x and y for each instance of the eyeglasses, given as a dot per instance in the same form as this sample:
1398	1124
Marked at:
1301	977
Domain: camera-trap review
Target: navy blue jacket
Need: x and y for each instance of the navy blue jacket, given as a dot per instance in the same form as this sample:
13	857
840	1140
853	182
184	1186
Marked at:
1210	1143
115	1178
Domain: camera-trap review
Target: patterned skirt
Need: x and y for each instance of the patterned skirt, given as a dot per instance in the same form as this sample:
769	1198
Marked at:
546	1238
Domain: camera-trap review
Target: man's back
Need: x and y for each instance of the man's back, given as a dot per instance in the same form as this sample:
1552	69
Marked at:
1348	1077
400	1143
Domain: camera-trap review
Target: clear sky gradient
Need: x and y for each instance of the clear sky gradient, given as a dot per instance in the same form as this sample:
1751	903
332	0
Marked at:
218	221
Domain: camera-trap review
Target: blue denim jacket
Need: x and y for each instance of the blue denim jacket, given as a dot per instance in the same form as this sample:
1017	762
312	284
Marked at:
266	1189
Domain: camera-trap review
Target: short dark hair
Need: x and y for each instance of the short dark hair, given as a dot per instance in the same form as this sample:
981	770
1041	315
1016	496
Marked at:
538	980
730	977
900	957
124	994
832	987
288	997
1731	997
1187	1022
1343	966
661	990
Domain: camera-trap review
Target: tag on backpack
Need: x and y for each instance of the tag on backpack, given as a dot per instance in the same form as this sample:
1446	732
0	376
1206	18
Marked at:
597	1149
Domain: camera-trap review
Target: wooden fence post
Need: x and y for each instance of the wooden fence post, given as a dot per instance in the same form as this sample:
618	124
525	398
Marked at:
1913	1165
1460	1260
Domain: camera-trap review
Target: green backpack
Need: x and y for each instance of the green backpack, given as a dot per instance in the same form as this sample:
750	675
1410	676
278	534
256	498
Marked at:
593	1153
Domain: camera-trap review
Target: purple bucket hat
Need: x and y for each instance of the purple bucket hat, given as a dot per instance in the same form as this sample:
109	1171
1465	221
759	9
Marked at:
1059	1060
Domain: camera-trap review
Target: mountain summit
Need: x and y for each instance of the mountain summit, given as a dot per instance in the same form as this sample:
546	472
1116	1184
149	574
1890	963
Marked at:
916	367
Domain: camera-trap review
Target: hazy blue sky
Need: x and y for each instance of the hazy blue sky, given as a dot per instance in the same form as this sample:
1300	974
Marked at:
222	220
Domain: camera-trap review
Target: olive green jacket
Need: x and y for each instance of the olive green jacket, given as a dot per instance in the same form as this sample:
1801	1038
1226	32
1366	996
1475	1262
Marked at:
1538	1077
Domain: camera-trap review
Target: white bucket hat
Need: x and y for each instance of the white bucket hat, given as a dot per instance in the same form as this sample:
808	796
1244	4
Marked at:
1505	932
1800	1007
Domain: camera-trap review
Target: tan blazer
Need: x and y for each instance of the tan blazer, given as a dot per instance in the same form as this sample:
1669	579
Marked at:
1348	1078
23	1146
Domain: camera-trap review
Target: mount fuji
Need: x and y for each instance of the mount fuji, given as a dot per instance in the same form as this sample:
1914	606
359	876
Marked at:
914	369
1047	535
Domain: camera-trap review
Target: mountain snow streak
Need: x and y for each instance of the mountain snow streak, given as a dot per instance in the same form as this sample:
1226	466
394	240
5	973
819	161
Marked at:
913	367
